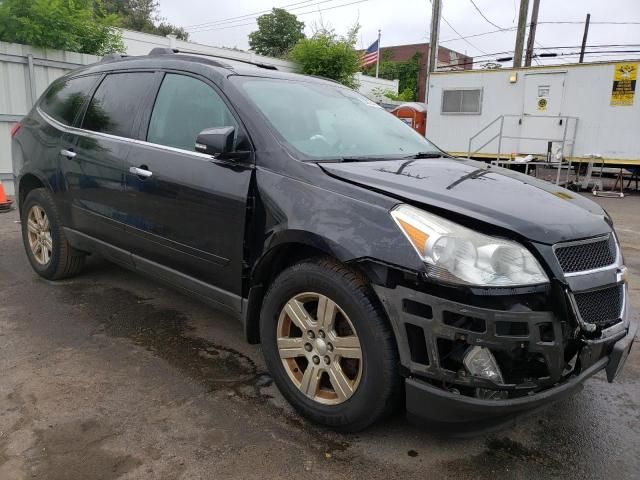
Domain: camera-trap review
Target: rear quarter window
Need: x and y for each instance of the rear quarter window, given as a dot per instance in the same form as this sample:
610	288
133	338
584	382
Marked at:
65	98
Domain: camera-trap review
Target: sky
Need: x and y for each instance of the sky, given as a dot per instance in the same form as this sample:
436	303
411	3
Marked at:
408	21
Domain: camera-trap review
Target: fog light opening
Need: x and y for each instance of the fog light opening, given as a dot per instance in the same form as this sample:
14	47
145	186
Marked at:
480	362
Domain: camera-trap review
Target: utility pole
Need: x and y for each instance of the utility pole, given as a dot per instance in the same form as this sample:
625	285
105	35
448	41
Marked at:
522	28
532	33
584	37
433	43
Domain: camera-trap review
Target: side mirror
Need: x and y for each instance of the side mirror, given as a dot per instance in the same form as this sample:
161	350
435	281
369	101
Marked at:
215	141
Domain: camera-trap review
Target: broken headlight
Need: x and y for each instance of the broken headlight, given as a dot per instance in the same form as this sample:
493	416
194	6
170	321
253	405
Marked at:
456	254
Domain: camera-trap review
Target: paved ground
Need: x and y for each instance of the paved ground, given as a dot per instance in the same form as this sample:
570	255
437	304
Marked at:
111	375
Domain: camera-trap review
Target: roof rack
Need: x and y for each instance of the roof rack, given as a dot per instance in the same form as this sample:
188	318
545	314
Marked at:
171	51
162	51
112	57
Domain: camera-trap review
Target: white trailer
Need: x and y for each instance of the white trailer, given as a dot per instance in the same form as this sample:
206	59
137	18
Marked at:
576	112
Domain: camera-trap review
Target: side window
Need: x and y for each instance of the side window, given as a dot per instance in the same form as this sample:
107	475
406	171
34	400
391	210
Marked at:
116	102
462	101
184	107
64	99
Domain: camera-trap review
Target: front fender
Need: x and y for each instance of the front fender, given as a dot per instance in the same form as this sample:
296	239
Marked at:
346	221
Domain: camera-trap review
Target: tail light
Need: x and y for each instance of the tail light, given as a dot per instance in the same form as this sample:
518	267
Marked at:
15	128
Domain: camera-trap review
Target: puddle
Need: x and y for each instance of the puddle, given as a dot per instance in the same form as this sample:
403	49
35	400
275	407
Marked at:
504	455
57	453
167	334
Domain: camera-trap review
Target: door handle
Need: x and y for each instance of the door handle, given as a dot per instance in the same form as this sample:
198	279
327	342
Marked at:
68	153
141	172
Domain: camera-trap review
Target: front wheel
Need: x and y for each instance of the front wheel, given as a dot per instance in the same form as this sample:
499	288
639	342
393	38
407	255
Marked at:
329	346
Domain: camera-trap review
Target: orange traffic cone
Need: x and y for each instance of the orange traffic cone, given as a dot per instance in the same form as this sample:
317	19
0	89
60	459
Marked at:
5	203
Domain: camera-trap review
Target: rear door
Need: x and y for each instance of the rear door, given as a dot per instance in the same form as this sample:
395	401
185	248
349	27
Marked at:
190	208
60	107
96	152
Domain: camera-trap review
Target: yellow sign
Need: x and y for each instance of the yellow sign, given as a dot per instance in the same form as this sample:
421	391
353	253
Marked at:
624	84
542	104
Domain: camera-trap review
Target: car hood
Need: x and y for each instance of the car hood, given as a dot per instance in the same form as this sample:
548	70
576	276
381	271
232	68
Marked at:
537	210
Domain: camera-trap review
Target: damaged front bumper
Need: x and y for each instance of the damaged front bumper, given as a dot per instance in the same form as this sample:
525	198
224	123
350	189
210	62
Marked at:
543	358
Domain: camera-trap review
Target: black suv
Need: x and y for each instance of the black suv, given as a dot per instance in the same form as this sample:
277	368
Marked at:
372	267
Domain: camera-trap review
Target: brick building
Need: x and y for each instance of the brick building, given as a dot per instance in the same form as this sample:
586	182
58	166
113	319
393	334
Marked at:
446	58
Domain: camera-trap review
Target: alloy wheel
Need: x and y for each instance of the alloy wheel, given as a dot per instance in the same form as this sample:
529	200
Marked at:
319	348
39	233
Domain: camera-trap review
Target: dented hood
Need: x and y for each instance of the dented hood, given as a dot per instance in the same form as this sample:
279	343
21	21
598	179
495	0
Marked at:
537	210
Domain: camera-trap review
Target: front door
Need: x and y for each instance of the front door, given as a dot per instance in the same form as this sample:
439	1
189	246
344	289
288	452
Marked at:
542	108
190	208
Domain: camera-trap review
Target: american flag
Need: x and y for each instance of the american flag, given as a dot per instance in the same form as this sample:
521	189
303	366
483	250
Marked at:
370	56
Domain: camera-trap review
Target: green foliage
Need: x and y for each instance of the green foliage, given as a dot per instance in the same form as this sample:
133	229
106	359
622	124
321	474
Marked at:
406	72
406	95
142	16
76	25
329	55
277	33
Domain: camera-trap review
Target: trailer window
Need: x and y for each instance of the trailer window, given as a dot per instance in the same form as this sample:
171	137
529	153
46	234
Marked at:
462	101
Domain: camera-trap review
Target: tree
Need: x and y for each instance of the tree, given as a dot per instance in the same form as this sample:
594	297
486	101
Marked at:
143	16
329	55
76	25
406	72
277	33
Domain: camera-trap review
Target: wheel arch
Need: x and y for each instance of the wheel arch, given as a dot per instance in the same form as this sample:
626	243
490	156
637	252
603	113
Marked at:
266	269
285	250
288	251
27	183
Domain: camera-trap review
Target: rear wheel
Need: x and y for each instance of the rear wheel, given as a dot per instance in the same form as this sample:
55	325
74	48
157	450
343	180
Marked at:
47	248
328	345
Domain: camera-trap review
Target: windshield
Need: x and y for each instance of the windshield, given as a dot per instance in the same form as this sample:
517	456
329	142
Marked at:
332	122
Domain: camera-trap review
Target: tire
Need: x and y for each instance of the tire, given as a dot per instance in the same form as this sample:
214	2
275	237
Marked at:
373	386
61	260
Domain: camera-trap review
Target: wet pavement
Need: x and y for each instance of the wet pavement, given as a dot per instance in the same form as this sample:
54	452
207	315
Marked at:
113	376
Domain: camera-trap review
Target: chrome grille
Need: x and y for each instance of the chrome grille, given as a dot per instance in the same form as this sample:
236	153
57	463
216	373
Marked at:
586	255
601	307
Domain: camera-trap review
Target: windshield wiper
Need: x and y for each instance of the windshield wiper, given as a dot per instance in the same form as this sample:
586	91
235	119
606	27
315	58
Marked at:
426	155
356	158
377	158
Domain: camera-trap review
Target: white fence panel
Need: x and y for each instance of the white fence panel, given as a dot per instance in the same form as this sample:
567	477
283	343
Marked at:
373	87
25	72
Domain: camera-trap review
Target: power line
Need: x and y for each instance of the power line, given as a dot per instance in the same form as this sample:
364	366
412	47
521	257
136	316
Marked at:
481	59
510	52
254	15
509	29
609	45
563	22
459	34
483	15
224	20
496	25
478	35
215	27
461	37
597	53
